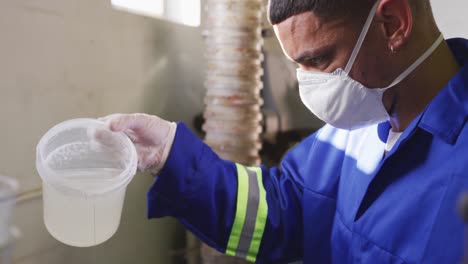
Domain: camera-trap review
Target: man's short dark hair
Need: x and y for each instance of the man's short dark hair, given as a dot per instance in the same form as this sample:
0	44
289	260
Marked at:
280	10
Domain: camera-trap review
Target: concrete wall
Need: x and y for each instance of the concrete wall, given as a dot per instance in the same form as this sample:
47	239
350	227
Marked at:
451	17
80	58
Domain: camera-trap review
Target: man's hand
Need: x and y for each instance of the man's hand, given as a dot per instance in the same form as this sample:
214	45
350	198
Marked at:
152	136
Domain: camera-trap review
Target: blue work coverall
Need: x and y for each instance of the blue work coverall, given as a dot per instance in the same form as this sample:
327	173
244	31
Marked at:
335	198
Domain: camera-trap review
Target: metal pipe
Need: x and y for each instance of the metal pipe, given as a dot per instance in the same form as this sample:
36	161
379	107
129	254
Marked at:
233	38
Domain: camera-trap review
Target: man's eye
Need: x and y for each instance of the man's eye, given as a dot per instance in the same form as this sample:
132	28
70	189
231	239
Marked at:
315	61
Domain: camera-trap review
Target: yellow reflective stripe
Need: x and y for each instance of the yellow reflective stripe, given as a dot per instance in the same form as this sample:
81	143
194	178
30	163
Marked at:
241	210
251	214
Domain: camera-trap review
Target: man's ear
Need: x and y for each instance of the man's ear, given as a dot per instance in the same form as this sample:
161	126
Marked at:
396	21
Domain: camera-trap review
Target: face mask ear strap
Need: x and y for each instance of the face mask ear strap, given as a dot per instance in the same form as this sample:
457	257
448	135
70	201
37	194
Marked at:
417	62
361	38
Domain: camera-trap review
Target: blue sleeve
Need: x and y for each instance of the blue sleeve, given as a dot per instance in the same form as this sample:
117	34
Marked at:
202	191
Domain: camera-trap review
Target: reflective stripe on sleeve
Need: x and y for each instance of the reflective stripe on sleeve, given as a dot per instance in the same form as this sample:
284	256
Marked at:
251	214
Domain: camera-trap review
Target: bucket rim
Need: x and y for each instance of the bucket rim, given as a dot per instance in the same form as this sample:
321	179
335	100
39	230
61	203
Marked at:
54	179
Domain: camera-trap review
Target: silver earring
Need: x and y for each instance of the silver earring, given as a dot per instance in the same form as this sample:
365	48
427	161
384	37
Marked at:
392	49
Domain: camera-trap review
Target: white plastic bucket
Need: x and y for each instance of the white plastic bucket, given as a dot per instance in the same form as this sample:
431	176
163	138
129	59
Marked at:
85	170
8	189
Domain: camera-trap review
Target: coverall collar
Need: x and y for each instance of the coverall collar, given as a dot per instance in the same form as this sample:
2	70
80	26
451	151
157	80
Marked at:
446	115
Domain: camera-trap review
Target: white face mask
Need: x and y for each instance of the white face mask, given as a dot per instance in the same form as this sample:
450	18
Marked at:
344	103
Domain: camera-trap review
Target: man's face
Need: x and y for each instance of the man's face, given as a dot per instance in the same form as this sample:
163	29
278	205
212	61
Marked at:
318	44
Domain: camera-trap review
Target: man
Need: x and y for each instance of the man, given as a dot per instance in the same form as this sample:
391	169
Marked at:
377	184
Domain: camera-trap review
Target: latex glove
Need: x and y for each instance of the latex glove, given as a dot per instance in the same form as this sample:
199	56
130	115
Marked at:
152	136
